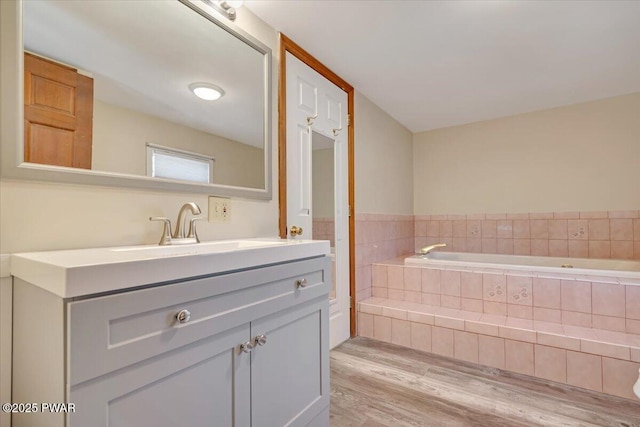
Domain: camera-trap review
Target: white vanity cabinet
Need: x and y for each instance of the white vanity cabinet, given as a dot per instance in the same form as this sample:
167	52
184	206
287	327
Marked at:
251	350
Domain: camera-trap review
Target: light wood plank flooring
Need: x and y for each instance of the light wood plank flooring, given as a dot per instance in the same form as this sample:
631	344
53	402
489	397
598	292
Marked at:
378	384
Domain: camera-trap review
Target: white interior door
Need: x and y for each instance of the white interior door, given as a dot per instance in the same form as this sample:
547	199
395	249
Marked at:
317	176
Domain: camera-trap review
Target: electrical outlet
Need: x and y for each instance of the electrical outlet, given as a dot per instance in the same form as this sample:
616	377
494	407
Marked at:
225	210
219	209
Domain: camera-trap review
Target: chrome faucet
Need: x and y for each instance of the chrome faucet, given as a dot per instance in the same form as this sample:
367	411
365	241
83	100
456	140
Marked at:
179	237
427	249
180	224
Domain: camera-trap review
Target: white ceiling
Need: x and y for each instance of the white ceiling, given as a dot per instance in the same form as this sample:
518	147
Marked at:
433	64
144	54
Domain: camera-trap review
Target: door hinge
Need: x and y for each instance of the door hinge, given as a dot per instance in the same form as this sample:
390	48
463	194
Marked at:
348	119
349	211
350	303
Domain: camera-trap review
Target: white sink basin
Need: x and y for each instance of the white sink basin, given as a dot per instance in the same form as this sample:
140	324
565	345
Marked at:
79	272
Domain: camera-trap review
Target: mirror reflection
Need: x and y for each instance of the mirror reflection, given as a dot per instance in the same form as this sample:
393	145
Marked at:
171	95
323	195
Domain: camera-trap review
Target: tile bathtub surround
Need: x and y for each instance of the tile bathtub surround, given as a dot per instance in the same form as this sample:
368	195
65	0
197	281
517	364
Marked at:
575	301
612	234
380	237
565	354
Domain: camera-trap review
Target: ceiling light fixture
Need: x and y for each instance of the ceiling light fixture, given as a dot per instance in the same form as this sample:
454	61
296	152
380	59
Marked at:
227	8
206	91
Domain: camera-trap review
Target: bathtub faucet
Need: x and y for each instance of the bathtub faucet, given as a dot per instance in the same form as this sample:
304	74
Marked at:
427	249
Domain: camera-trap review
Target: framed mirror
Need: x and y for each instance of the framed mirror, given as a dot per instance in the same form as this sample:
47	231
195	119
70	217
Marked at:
160	95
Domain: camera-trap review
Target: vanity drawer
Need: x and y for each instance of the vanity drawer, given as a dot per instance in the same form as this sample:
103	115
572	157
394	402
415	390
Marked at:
110	332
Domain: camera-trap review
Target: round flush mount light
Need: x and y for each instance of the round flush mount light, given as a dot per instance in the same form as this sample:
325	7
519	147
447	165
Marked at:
206	91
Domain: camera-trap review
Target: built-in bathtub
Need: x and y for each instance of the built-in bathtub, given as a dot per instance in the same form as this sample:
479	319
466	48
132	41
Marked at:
578	324
537	265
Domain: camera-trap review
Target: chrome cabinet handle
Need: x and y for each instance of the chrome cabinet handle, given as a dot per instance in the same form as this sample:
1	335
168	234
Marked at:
246	347
301	283
183	316
261	339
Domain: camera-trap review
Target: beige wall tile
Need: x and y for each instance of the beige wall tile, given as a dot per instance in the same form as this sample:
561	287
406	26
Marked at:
491	351
608	299
442	341
618	377
465	346
382	328
412	279
576	296
430	281
546	293
584	370
633	301
519	357
395	277
599	249
550	363
599	229
401	332
621	229
365	325
420	336
450	283
471	285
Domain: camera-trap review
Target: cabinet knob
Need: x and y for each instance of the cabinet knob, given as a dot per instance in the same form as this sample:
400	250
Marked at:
246	347
301	283
183	316
261	340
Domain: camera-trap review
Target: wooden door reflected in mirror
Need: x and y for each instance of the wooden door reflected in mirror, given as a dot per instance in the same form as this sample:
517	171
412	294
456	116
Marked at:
58	114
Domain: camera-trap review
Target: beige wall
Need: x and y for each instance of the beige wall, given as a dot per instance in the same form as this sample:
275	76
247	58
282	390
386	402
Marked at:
120	135
584	157
383	166
43	216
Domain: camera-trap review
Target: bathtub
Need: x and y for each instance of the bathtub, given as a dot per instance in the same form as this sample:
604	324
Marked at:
626	270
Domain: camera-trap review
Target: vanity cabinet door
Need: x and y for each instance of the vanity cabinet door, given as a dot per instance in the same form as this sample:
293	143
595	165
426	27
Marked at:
206	383
290	371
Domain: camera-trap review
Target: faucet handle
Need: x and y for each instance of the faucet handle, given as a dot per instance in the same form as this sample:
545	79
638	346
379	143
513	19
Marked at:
192	228
166	232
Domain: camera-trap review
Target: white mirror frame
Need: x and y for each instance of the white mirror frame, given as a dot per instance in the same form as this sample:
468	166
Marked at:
12	118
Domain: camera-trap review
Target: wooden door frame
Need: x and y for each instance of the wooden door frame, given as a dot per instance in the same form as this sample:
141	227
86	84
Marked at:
288	45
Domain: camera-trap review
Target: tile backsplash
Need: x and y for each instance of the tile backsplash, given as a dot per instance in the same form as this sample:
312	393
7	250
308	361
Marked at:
604	234
324	229
612	234
380	237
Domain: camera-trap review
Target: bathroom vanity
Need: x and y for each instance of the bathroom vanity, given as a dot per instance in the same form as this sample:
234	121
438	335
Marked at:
223	333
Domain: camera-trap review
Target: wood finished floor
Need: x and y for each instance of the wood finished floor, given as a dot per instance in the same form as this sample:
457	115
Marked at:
377	384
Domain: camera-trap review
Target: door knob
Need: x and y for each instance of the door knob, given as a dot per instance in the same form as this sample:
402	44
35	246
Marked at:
296	231
261	340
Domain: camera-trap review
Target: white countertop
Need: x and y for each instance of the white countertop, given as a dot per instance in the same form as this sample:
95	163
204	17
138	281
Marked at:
72	273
